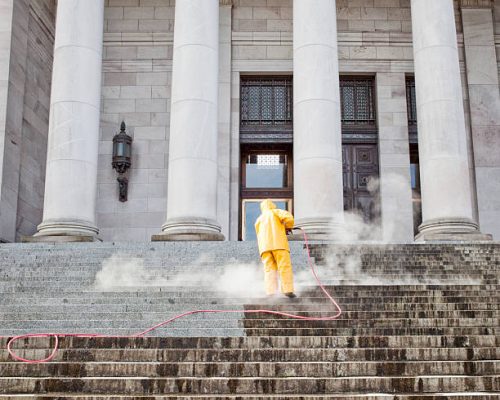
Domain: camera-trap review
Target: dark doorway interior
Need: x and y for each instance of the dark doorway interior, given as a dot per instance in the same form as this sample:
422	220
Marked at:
360	147
360	167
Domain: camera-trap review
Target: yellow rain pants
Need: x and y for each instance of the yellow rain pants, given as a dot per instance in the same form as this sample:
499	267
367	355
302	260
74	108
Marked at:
273	247
277	262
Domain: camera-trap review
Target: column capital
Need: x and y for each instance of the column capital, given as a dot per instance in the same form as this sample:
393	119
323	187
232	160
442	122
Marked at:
225	2
476	3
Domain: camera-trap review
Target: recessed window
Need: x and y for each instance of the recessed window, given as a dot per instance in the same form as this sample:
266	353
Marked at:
357	101
266	102
411	102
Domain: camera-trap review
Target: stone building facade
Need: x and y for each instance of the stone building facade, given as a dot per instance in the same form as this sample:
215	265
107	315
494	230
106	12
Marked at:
232	101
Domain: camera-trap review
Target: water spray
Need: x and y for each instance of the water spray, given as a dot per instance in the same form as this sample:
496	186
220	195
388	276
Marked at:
56	336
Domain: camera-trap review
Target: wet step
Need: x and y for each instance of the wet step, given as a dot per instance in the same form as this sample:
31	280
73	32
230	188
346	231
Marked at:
367	331
262	355
364	396
251	314
235	321
259	342
137	385
159	307
320	369
372	396
194	298
238	332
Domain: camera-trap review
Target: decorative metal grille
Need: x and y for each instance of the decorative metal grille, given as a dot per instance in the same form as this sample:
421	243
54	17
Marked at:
357	102
266	102
411	101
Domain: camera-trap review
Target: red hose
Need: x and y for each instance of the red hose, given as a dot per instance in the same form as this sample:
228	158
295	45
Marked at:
56	336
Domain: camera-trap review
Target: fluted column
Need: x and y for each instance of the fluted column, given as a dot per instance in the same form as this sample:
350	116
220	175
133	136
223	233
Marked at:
317	128
71	177
445	182
192	168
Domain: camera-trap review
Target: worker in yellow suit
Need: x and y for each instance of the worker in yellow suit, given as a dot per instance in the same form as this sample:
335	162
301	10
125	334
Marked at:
271	228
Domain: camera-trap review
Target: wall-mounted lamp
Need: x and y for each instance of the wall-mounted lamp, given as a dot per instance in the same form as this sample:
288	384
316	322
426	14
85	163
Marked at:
122	159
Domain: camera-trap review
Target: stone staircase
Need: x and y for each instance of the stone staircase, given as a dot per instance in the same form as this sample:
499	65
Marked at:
419	322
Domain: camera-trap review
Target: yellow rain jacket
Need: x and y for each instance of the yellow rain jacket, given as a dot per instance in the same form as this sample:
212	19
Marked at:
271	227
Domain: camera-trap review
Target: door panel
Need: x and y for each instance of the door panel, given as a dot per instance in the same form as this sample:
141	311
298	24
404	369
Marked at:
266	173
360	164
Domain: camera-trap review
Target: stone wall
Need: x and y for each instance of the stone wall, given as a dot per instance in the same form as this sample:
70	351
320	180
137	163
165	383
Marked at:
136	89
374	38
41	30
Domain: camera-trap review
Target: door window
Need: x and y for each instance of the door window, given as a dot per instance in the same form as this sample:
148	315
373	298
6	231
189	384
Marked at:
266	170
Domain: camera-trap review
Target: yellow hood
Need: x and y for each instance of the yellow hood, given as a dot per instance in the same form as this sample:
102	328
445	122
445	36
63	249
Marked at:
267	205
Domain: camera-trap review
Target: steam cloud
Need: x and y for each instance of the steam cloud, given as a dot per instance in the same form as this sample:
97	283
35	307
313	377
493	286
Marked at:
343	263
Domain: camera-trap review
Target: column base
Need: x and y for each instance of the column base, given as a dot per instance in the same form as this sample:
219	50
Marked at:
189	229
64	232
60	239
456	229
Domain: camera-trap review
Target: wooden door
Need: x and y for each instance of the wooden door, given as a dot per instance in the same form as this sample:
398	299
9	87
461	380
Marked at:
360	164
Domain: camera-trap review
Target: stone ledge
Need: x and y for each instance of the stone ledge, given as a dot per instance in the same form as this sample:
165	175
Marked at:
187	237
59	239
460	237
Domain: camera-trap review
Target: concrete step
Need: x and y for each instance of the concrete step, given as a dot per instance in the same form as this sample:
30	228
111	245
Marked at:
319	369
162	307
262	342
172	331
360	331
29	315
238	320
419	322
134	299
338	291
255	342
262	355
137	385
352	395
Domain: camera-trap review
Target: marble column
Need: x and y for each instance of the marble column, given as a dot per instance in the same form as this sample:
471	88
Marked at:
317	143
445	181
192	169
71	177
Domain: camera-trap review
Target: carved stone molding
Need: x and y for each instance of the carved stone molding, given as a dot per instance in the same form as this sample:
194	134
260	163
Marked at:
476	3
225	2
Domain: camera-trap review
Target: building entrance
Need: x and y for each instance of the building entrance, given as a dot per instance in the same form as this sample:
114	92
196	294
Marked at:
266	173
360	166
266	147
